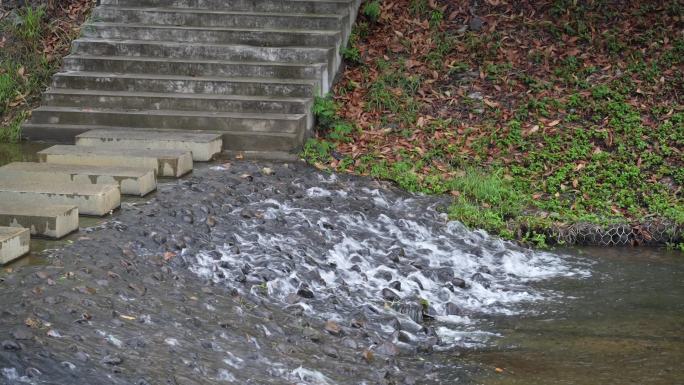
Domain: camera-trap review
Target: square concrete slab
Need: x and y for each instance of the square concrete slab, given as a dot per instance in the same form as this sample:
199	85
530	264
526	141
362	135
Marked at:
202	145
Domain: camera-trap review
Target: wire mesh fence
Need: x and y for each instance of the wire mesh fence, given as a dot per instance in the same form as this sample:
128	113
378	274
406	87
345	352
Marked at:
653	233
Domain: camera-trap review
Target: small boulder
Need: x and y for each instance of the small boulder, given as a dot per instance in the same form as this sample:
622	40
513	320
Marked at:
305	292
390	295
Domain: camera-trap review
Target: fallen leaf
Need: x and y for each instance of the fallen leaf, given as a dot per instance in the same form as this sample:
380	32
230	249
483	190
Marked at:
491	103
367	355
33	323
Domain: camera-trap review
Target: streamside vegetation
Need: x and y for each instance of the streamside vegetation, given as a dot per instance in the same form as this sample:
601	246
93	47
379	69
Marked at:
532	115
34	36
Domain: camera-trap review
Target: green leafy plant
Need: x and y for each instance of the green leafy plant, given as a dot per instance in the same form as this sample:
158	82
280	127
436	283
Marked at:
351	54
325	110
372	10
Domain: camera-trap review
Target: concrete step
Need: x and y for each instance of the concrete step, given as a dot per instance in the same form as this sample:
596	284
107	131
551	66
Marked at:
203	146
204	51
261	37
215	18
248	69
232	140
91	199
171	163
125	100
192	68
186	84
44	221
174	120
14	242
131	181
296	6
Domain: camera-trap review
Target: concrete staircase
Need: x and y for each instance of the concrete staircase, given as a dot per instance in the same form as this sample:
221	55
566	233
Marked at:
152	86
246	68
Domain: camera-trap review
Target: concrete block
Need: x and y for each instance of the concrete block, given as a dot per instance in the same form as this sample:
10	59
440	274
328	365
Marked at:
45	221
131	181
89	198
202	145
14	242
171	163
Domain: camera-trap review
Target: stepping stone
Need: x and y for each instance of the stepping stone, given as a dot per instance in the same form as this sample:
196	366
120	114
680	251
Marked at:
91	199
202	145
14	242
171	163
46	221
132	181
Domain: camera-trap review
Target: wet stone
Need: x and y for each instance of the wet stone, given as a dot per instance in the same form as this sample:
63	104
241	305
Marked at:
458	282
443	274
413	310
387	348
10	345
330	351
452	309
395	255
305	292
406	337
112	360
479	278
383	274
390	295
33	373
21	334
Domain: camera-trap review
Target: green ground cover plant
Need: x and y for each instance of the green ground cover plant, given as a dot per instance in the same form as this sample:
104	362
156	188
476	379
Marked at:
532	116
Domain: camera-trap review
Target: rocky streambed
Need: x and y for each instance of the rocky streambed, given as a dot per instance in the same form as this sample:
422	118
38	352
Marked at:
254	273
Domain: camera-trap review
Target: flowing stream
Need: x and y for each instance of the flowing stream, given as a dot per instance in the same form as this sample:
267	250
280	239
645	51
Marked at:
622	325
321	271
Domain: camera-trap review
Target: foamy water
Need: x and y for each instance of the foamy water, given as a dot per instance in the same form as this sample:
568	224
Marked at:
346	246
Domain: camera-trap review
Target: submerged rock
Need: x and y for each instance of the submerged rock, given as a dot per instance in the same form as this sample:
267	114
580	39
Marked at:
112	360
412	309
390	295
305	292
